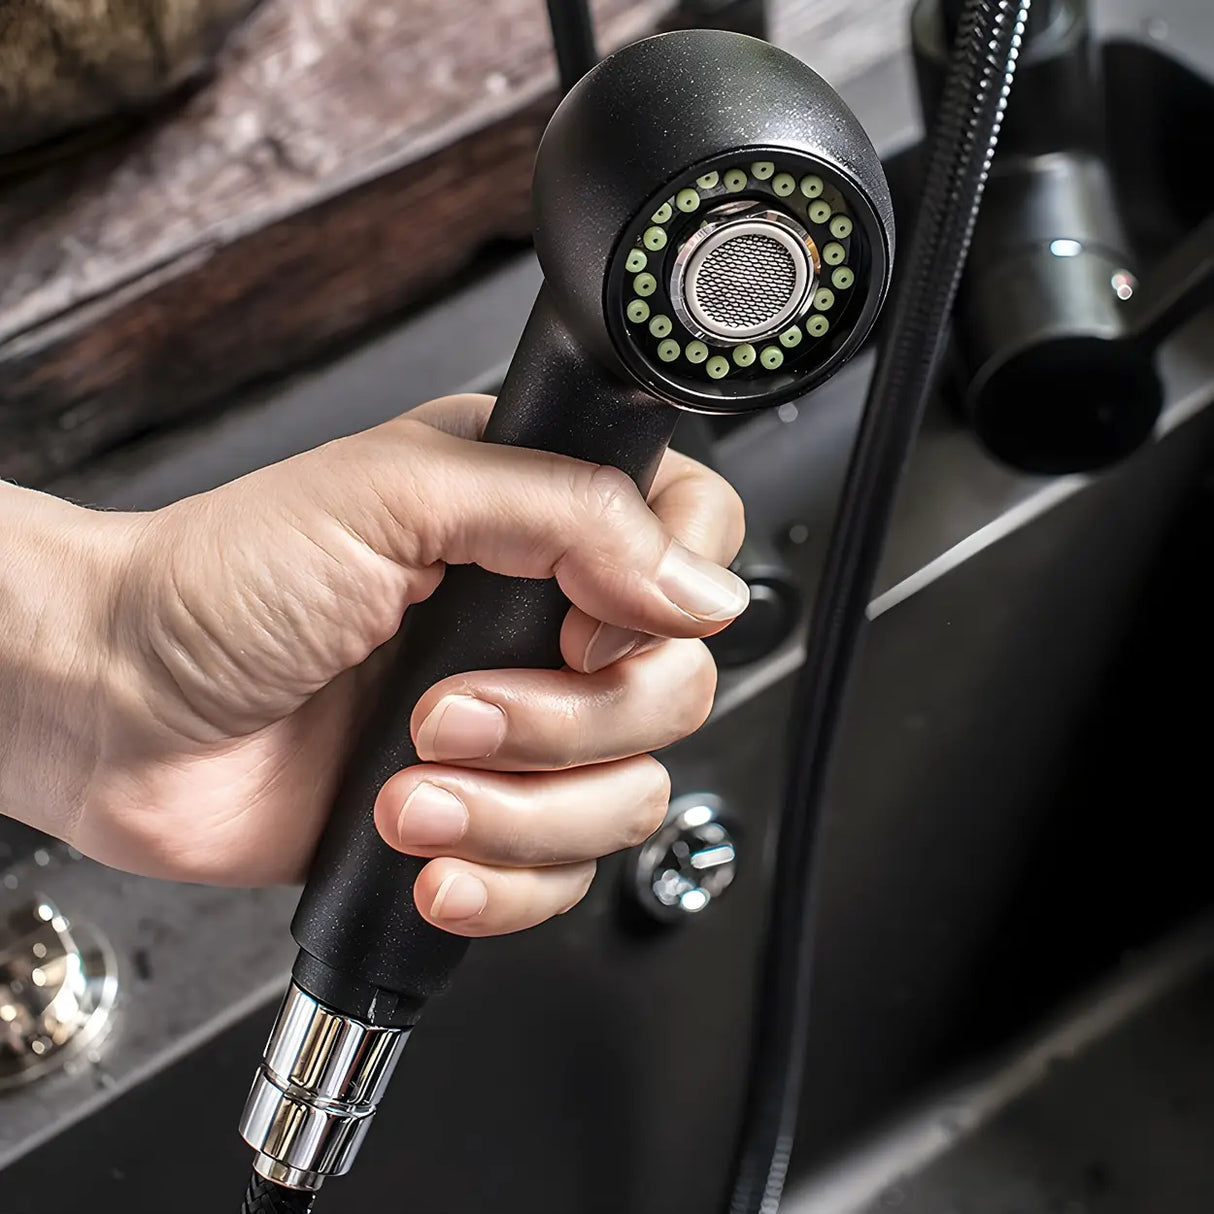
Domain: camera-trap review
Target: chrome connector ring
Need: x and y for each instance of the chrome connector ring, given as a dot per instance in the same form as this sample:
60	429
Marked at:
320	1082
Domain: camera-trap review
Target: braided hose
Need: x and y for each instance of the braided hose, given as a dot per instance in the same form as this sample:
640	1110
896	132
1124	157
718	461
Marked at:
265	1197
959	153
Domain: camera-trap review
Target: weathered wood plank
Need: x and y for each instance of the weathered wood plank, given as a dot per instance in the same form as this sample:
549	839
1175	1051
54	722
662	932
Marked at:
348	156
65	65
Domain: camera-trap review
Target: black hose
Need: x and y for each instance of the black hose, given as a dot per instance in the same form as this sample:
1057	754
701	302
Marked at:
265	1197
960	149
572	39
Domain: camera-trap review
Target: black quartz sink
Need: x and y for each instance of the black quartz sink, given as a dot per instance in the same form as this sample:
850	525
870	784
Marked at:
1107	1111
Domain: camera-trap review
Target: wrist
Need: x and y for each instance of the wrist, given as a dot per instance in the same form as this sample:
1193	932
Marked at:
60	569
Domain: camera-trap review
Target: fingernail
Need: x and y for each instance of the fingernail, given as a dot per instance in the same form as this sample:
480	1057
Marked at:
609	644
461	727
701	588
431	816
461	896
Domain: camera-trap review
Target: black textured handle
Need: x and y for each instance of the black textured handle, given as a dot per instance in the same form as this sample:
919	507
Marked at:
365	949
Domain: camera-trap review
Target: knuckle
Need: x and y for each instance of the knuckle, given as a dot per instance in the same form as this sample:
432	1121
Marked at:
406	431
574	745
582	877
680	695
652	805
719	502
732	515
701	685
609	494
732	506
463	414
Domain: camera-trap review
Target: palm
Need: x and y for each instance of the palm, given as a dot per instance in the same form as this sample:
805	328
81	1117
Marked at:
241	807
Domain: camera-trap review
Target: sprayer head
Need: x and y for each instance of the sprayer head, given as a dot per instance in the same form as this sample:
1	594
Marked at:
713	220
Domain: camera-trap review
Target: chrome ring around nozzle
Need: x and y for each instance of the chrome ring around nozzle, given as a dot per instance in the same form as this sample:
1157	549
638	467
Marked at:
722	227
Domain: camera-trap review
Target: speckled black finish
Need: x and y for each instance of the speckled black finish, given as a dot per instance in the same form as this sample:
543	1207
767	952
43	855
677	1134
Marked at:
381	960
652	111
633	124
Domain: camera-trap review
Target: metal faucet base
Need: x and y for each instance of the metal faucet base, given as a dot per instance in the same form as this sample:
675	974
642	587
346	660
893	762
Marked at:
58	985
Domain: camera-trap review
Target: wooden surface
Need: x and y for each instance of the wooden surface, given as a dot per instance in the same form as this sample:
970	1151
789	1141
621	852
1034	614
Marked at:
65	64
349	157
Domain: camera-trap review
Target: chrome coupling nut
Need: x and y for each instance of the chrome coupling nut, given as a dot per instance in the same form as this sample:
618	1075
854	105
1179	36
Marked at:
320	1081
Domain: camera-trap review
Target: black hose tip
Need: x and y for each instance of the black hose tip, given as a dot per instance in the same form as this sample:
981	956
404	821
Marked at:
265	1197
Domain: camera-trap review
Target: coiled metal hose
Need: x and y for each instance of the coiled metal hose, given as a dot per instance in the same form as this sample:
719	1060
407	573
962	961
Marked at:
959	153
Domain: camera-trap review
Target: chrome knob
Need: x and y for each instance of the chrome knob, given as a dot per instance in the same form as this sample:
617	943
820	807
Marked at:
689	862
57	989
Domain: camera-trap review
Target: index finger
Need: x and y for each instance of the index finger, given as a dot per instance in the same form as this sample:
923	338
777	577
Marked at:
699	507
703	512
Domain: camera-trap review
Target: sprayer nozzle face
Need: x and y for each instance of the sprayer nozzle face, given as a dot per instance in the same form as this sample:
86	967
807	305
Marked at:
744	275
746	281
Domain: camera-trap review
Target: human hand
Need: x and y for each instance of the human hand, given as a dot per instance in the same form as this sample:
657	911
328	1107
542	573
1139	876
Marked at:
221	648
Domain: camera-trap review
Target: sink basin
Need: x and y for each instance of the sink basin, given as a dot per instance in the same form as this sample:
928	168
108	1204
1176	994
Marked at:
1108	1111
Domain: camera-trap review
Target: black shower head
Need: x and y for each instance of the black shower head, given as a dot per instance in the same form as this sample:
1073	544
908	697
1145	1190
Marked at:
712	218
